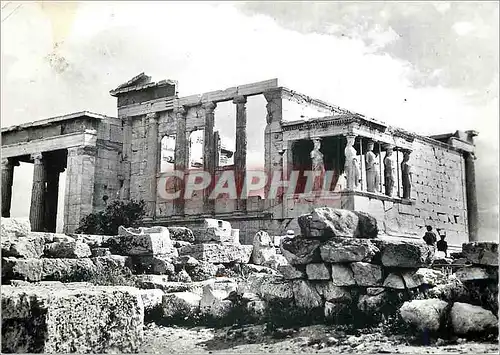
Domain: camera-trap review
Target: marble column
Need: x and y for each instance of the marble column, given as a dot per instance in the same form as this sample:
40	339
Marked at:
209	162
7	181
38	192
151	163
240	155
180	157
470	190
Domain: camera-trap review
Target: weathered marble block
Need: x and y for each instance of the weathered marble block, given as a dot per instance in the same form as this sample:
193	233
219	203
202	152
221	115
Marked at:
14	228
75	250
344	250
404	254
23	247
182	234
218	254
481	253
142	241
84	319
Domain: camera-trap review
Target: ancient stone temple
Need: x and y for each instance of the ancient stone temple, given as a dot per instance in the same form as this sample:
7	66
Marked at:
405	180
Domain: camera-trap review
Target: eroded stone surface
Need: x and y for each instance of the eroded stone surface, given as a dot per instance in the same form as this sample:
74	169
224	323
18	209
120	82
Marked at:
367	274
181	234
481	253
344	250
404	254
67	250
15	228
263	248
31	246
424	314
218	254
79	319
291	272
142	241
180	304
467	318
318	271
300	251
342	275
305	295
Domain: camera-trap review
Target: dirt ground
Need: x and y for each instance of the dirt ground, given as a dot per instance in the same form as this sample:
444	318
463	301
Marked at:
311	339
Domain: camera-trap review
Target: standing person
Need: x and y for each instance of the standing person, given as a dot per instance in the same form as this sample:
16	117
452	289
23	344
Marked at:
430	236
442	245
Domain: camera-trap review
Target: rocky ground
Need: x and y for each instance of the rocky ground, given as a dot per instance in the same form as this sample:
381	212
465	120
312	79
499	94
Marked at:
312	339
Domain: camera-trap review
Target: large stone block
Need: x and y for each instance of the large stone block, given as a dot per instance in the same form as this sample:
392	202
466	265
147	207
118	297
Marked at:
300	251
181	234
306	295
342	275
263	248
326	222
215	235
66	320
476	273
291	272
466	318
70	250
218	254
213	302
344	250
426	315
318	271
404	254
23	247
14	228
142	241
181	304
332	293
367	274
481	253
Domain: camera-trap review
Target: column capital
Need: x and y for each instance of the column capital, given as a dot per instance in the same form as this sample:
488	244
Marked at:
83	150
239	99
152	117
37	158
272	94
180	111
209	106
9	163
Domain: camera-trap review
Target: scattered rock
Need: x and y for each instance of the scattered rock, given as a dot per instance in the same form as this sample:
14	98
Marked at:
291	272
23	247
275	261
430	277
305	295
367	225
372	304
263	248
93	241
300	250
404	254
256	308
71	250
213	302
258	269
152	299
333	293
344	250
481	253
152	264
215	235
318	271
342	275
100	252
270	287
367	274
426	315
452	291
219	254
466	318
142	241
12	228
394	281
71	319
334	311
182	276
326	222
181	305
202	271
474	273
182	234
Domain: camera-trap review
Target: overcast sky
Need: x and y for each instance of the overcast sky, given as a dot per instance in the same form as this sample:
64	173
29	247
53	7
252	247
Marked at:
427	67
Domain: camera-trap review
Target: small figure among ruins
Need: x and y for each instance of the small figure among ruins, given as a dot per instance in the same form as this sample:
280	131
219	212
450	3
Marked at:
430	237
389	172
442	245
318	166
406	175
371	169
351	164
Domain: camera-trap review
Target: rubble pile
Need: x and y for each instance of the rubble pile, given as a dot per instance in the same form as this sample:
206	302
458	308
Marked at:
339	270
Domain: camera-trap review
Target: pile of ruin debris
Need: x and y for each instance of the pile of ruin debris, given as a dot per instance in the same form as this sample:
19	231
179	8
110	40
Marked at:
90	293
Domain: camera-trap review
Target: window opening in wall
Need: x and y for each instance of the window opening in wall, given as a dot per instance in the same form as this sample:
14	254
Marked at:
167	156
196	148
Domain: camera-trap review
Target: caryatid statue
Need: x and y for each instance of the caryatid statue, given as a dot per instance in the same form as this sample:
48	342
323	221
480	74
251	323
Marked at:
351	168
389	171
371	169
318	165
406	175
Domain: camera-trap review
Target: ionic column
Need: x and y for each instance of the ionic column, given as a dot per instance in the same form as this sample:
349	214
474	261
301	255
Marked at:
470	189
240	155
38	194
7	181
151	162
209	157
180	156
